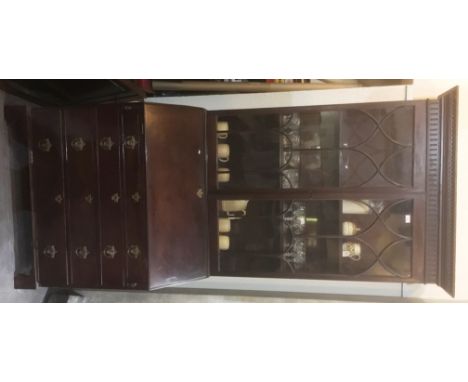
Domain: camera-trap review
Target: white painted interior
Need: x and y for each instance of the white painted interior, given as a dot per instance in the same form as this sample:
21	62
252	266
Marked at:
421	89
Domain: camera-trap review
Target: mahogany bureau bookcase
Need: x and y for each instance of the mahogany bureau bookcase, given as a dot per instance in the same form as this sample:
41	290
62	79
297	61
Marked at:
143	196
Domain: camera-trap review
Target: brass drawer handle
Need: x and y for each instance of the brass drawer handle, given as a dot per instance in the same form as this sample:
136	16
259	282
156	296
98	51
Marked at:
115	197
82	252
50	251
78	144
89	198
109	251
106	143
130	142
44	144
134	251
200	193
136	197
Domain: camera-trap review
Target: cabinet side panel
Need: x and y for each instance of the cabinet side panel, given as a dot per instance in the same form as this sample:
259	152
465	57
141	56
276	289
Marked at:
16	118
449	126
49	197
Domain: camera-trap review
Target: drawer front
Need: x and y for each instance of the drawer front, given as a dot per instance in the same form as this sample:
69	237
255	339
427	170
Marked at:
80	127
133	152
111	241
48	197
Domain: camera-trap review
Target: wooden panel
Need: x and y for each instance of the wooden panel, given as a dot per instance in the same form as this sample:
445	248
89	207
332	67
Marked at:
49	197
67	92
16	118
177	216
80	125
449	126
133	152
111	239
432	192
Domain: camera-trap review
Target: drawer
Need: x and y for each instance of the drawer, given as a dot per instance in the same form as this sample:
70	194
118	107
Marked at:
133	153
82	191
48	197
111	200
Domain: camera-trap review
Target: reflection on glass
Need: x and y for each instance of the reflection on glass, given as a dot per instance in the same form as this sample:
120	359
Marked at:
304	237
337	148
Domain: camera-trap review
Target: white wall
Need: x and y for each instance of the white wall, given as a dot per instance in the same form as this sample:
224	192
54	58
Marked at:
421	89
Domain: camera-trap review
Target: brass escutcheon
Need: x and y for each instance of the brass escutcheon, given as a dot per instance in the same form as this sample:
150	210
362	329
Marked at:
106	143
109	251
44	145
50	251
134	251
82	252
136	197
130	142
78	144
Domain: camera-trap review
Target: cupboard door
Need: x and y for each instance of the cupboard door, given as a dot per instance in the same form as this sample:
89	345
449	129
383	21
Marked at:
48	197
358	146
177	216
80	126
111	239
133	153
366	239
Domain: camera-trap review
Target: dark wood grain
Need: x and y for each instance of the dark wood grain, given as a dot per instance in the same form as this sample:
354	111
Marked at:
111	199
449	127
68	92
82	191
134	200
49	197
16	118
177	219
433	164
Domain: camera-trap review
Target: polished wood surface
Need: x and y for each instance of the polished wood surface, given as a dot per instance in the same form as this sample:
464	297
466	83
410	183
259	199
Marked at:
68	92
448	189
112	233
49	197
16	118
176	194
83	198
134	201
141	205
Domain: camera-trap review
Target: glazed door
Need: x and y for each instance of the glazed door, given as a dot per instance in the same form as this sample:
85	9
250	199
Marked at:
379	146
176	194
371	239
319	192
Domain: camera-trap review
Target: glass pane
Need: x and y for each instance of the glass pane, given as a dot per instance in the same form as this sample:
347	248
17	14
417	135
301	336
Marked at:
338	148
294	238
